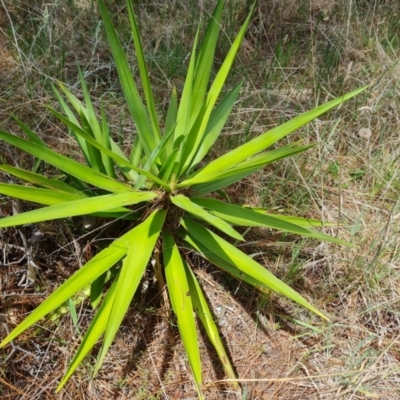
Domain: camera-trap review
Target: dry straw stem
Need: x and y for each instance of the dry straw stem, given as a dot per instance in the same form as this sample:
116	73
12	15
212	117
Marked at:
12	387
356	372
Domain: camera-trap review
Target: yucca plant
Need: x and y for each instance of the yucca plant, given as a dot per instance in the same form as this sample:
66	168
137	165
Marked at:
163	192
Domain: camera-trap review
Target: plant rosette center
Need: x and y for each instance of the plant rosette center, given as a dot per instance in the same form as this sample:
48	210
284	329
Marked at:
163	189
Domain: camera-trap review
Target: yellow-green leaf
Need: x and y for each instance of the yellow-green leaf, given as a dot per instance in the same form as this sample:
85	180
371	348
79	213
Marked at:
242	216
92	335
234	256
78	207
186	204
203	311
181	301
140	249
100	263
260	143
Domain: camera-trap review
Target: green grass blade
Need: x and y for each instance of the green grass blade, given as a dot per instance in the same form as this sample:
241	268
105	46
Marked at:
134	102
65	164
92	335
268	157
136	152
74	315
107	141
223	179
129	173
144	74
242	216
39	180
77	207
212	258
66	108
33	136
80	108
102	262
181	301
260	143
96	290
203	311
141	247
124	214
232	255
195	209
134	158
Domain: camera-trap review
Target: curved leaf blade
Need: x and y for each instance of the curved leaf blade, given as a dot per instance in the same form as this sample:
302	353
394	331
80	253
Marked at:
99	264
71	167
159	149
71	116
232	255
140	249
170	120
104	150
219	262
106	142
37	195
104	137
77	207
203	311
93	333
135	104
33	136
242	216
181	301
225	178
195	138
260	143
185	104
144	74
205	58
40	180
217	121
305	222
186	204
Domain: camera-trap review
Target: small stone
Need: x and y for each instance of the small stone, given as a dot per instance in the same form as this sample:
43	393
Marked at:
365	133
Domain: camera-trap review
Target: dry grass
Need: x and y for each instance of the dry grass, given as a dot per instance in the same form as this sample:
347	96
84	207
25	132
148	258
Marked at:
296	54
